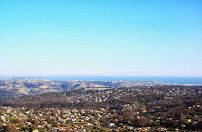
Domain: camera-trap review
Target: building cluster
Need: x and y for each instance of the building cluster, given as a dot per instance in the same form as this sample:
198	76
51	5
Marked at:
52	119
146	108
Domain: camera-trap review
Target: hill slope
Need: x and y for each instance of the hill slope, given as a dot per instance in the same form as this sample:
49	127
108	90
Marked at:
21	87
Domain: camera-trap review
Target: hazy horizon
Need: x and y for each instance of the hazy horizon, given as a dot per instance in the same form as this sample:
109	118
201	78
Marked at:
166	79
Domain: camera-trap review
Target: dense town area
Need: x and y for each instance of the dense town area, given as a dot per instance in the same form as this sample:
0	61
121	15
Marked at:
147	108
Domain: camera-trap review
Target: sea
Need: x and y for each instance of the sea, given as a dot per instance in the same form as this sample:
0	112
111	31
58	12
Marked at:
166	79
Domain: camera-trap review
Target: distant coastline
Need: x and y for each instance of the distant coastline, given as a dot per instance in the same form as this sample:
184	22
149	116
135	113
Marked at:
166	79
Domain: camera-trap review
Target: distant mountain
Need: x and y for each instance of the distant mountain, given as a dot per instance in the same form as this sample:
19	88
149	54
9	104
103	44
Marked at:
21	87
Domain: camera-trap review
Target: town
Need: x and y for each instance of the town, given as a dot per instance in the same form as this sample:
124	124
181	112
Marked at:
149	108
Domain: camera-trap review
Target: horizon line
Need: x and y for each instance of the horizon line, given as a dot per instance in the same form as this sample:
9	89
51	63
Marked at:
99	76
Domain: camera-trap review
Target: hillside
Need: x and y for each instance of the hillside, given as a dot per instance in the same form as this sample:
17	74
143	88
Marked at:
21	87
168	107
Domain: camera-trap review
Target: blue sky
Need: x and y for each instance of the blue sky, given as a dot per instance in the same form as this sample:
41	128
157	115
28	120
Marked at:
101	37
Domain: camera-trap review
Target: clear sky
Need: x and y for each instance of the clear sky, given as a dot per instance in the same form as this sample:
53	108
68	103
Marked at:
101	37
